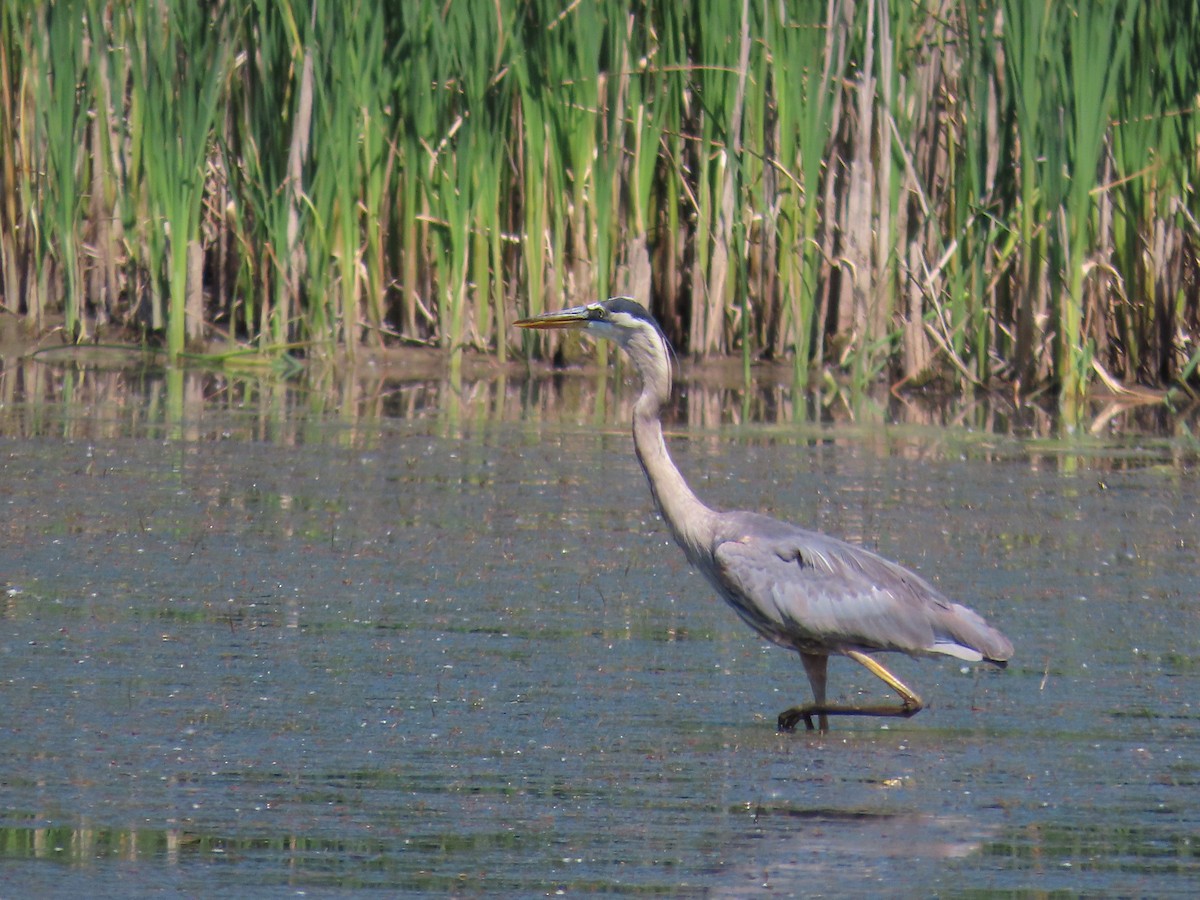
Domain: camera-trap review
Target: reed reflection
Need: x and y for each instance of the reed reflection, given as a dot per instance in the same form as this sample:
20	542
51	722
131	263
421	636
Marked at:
75	400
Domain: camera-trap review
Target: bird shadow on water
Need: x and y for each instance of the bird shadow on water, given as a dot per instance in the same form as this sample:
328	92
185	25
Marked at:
850	811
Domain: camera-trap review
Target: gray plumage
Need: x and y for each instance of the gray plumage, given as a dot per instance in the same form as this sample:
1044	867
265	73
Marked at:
797	588
816	594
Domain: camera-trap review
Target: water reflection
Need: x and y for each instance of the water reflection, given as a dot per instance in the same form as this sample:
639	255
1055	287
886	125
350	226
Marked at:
42	397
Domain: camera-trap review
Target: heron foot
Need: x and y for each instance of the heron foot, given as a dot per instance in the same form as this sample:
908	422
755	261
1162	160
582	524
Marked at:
814	665
789	718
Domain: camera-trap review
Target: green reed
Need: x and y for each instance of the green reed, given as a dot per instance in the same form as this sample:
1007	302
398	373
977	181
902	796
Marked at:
558	64
715	38
979	149
654	95
1099	36
950	190
416	135
266	145
1156	169
464	168
349	154
179	67
106	187
810	53
60	102
1027	46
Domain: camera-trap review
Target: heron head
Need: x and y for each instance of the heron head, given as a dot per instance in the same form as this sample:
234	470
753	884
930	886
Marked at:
619	319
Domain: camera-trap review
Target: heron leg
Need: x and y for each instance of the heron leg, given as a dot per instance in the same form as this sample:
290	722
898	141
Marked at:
910	703
816	667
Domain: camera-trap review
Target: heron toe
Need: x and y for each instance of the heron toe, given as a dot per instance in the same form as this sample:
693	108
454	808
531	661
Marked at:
789	718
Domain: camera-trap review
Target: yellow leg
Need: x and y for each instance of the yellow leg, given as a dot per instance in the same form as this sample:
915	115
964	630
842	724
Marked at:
910	703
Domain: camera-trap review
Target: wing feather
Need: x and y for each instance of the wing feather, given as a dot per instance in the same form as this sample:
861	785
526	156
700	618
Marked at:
812	592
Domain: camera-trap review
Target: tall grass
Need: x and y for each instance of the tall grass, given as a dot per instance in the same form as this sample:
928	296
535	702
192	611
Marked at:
179	60
1153	150
979	149
350	152
966	191
714	32
1028	44
809	46
63	120
266	149
1098	36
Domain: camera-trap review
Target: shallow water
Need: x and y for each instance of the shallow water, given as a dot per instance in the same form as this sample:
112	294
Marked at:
261	639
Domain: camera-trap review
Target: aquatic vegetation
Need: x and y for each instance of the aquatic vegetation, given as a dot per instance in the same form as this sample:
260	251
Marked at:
870	191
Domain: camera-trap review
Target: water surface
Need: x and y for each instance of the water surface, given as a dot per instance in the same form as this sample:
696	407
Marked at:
268	638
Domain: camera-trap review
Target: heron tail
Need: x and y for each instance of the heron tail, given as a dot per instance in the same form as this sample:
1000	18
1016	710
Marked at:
963	633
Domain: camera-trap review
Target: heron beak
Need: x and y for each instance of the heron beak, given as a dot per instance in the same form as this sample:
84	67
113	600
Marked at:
576	317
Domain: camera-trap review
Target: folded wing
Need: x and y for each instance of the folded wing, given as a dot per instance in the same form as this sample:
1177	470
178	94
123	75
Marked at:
814	593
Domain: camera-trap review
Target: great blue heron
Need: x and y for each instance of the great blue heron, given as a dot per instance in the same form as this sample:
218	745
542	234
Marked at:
800	589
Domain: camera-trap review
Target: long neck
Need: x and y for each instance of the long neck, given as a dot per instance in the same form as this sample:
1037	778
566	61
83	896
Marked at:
690	520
